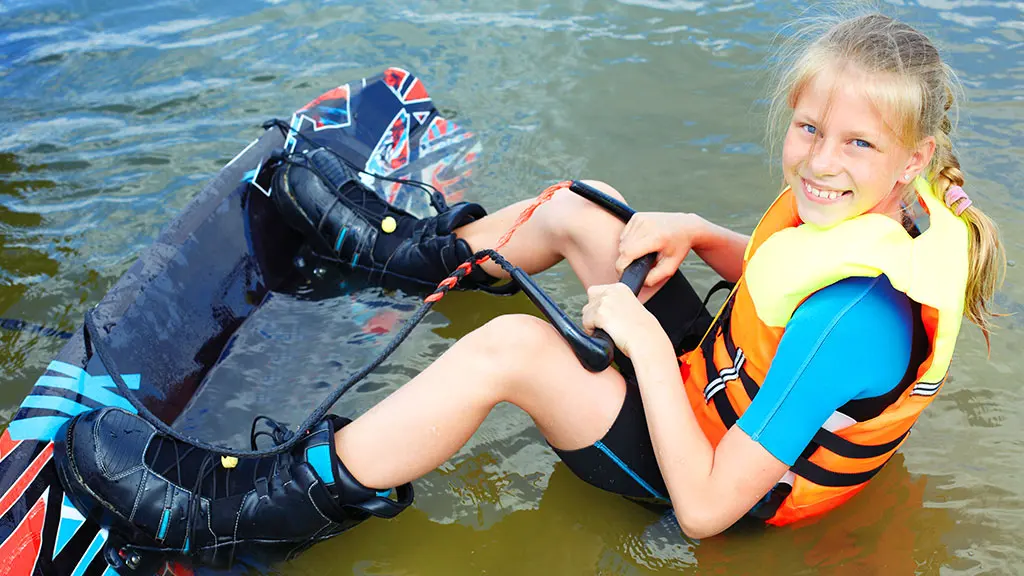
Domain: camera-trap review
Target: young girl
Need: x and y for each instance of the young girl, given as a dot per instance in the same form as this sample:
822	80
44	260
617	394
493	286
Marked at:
840	329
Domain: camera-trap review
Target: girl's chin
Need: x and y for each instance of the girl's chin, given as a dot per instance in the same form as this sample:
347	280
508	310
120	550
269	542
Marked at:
822	216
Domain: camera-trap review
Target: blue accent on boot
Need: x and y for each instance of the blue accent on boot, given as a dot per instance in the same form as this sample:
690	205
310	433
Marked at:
319	457
341	238
163	524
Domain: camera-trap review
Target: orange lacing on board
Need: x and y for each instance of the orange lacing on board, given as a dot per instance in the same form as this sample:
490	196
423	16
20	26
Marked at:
465	268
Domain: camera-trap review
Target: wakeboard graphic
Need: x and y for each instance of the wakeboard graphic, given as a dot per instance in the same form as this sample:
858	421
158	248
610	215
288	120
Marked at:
168	320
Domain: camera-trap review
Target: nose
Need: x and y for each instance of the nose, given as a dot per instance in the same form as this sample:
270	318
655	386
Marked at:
824	158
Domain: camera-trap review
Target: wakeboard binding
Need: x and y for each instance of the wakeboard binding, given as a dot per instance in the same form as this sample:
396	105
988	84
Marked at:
349	223
160	496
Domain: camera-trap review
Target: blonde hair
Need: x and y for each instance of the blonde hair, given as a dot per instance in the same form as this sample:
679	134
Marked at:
919	91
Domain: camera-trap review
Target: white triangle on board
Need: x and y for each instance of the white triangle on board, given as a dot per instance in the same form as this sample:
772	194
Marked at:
70	521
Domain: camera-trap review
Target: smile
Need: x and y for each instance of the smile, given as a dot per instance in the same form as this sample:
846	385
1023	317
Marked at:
821	194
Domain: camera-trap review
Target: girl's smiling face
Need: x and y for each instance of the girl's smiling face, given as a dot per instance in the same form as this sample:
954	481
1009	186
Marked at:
841	156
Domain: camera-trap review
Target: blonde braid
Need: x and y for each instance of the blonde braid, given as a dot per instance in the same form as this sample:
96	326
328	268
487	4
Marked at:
986	255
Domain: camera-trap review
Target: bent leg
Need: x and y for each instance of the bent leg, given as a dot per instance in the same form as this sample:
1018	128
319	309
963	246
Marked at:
567	226
515	358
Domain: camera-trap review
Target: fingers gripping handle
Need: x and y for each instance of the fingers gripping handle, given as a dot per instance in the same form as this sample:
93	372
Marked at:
594	352
633	276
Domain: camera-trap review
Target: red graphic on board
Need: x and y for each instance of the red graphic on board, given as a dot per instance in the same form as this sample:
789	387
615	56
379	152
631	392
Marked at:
16	491
417	92
400	157
21	549
7	445
394	77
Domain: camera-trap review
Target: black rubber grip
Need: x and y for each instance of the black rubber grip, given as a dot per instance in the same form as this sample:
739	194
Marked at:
613	205
595	352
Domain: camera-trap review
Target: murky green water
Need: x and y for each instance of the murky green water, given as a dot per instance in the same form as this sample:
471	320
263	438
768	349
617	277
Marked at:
114	113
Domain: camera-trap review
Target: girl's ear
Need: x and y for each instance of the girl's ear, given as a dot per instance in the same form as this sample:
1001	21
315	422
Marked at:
921	156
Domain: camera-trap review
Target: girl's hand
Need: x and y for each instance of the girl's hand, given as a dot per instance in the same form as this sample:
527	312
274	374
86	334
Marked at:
614	309
667	233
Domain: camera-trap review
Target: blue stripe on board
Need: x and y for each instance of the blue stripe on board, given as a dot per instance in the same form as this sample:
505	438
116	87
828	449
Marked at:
90	553
600	446
89	388
132	380
57	403
339	111
42	428
69	370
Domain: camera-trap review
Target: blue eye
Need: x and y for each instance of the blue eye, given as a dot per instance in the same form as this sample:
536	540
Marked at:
862	143
809	128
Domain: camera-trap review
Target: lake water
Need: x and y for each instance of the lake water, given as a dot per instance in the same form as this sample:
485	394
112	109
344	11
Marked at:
114	113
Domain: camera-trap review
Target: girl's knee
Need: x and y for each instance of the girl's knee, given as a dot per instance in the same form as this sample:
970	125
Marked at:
571	214
510	341
606	188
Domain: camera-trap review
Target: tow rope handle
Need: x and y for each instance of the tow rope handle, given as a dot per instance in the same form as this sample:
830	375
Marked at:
595	352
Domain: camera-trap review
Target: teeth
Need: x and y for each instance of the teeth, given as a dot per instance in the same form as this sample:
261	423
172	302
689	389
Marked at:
826	194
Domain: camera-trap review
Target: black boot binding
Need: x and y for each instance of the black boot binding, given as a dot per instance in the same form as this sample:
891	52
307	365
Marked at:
168	497
344	220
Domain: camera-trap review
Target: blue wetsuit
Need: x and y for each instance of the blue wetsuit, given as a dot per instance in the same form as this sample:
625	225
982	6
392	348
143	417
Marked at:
847	341
850	340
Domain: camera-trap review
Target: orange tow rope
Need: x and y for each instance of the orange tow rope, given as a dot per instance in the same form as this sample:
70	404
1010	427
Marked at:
464	268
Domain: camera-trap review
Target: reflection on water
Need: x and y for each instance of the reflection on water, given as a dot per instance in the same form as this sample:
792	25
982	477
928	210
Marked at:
115	113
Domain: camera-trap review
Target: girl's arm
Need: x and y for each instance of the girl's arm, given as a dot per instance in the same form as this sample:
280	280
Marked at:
673	235
721	248
710	489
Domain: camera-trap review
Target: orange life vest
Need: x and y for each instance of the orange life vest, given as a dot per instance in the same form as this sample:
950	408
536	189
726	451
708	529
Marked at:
785	262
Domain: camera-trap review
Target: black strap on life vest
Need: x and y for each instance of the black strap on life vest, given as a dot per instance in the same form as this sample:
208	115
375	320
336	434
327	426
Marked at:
822	477
749	385
843	447
726	411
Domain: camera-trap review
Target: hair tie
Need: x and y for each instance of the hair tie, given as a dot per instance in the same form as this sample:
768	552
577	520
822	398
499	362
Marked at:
955	194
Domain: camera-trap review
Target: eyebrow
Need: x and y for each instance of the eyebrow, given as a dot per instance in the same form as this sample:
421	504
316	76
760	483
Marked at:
858	135
851	134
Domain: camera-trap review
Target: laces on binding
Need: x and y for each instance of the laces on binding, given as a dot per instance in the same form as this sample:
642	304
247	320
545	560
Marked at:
278	433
